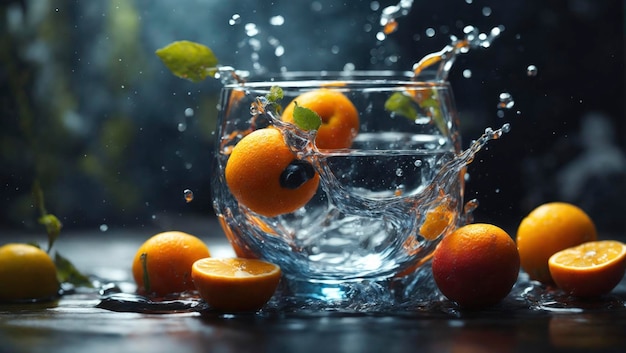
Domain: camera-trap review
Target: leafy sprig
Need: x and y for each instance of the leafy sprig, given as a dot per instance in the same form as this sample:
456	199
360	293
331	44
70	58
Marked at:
403	104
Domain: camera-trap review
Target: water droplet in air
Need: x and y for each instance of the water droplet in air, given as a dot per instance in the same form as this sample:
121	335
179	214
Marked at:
182	127
418	163
235	19
251	29
188	112
399	172
531	70
486	11
430	32
390	27
279	51
277	20
467	73
506	101
188	194
104	227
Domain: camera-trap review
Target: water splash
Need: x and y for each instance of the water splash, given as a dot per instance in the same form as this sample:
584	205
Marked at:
506	101
389	16
188	195
445	58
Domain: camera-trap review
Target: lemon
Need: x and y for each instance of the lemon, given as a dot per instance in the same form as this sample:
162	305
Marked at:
26	273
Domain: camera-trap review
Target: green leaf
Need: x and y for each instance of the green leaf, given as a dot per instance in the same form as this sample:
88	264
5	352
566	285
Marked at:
189	60
53	228
401	104
275	94
67	272
306	119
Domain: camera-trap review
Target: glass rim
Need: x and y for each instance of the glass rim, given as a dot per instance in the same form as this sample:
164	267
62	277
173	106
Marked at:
353	78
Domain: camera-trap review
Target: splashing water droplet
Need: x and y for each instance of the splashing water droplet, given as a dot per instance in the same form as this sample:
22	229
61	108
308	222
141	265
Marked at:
531	70
390	14
251	29
390	27
277	20
506	101
445	57
235	19
188	195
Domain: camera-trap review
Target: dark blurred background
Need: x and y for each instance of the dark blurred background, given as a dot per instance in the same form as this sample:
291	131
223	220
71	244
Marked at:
114	139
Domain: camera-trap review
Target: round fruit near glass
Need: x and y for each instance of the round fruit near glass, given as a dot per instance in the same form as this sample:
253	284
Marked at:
590	269
264	175
235	284
162	264
548	229
26	273
476	266
340	118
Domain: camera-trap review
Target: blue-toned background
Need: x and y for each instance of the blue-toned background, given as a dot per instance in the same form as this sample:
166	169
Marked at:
87	108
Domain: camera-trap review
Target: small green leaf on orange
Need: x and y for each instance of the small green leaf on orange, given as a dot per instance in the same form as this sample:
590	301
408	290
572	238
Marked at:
306	119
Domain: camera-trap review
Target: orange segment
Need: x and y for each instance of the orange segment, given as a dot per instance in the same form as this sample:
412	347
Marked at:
235	284
436	221
590	269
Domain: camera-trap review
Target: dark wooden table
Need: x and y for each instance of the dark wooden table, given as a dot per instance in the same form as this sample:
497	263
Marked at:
76	324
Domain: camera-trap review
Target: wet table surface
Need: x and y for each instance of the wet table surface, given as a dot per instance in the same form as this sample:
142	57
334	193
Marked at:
76	324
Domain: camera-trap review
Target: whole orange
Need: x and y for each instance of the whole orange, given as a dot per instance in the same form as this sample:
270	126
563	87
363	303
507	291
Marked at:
340	118
26	273
476	265
167	257
263	174
548	229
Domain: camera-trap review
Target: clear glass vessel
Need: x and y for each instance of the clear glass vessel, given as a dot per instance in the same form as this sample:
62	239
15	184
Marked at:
382	204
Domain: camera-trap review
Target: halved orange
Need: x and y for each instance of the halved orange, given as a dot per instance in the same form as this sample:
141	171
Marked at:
235	284
589	269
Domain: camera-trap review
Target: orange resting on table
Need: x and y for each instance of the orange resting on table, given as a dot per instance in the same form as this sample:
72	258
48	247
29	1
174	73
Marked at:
589	269
340	118
26	273
476	265
264	175
168	259
235	284
548	229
